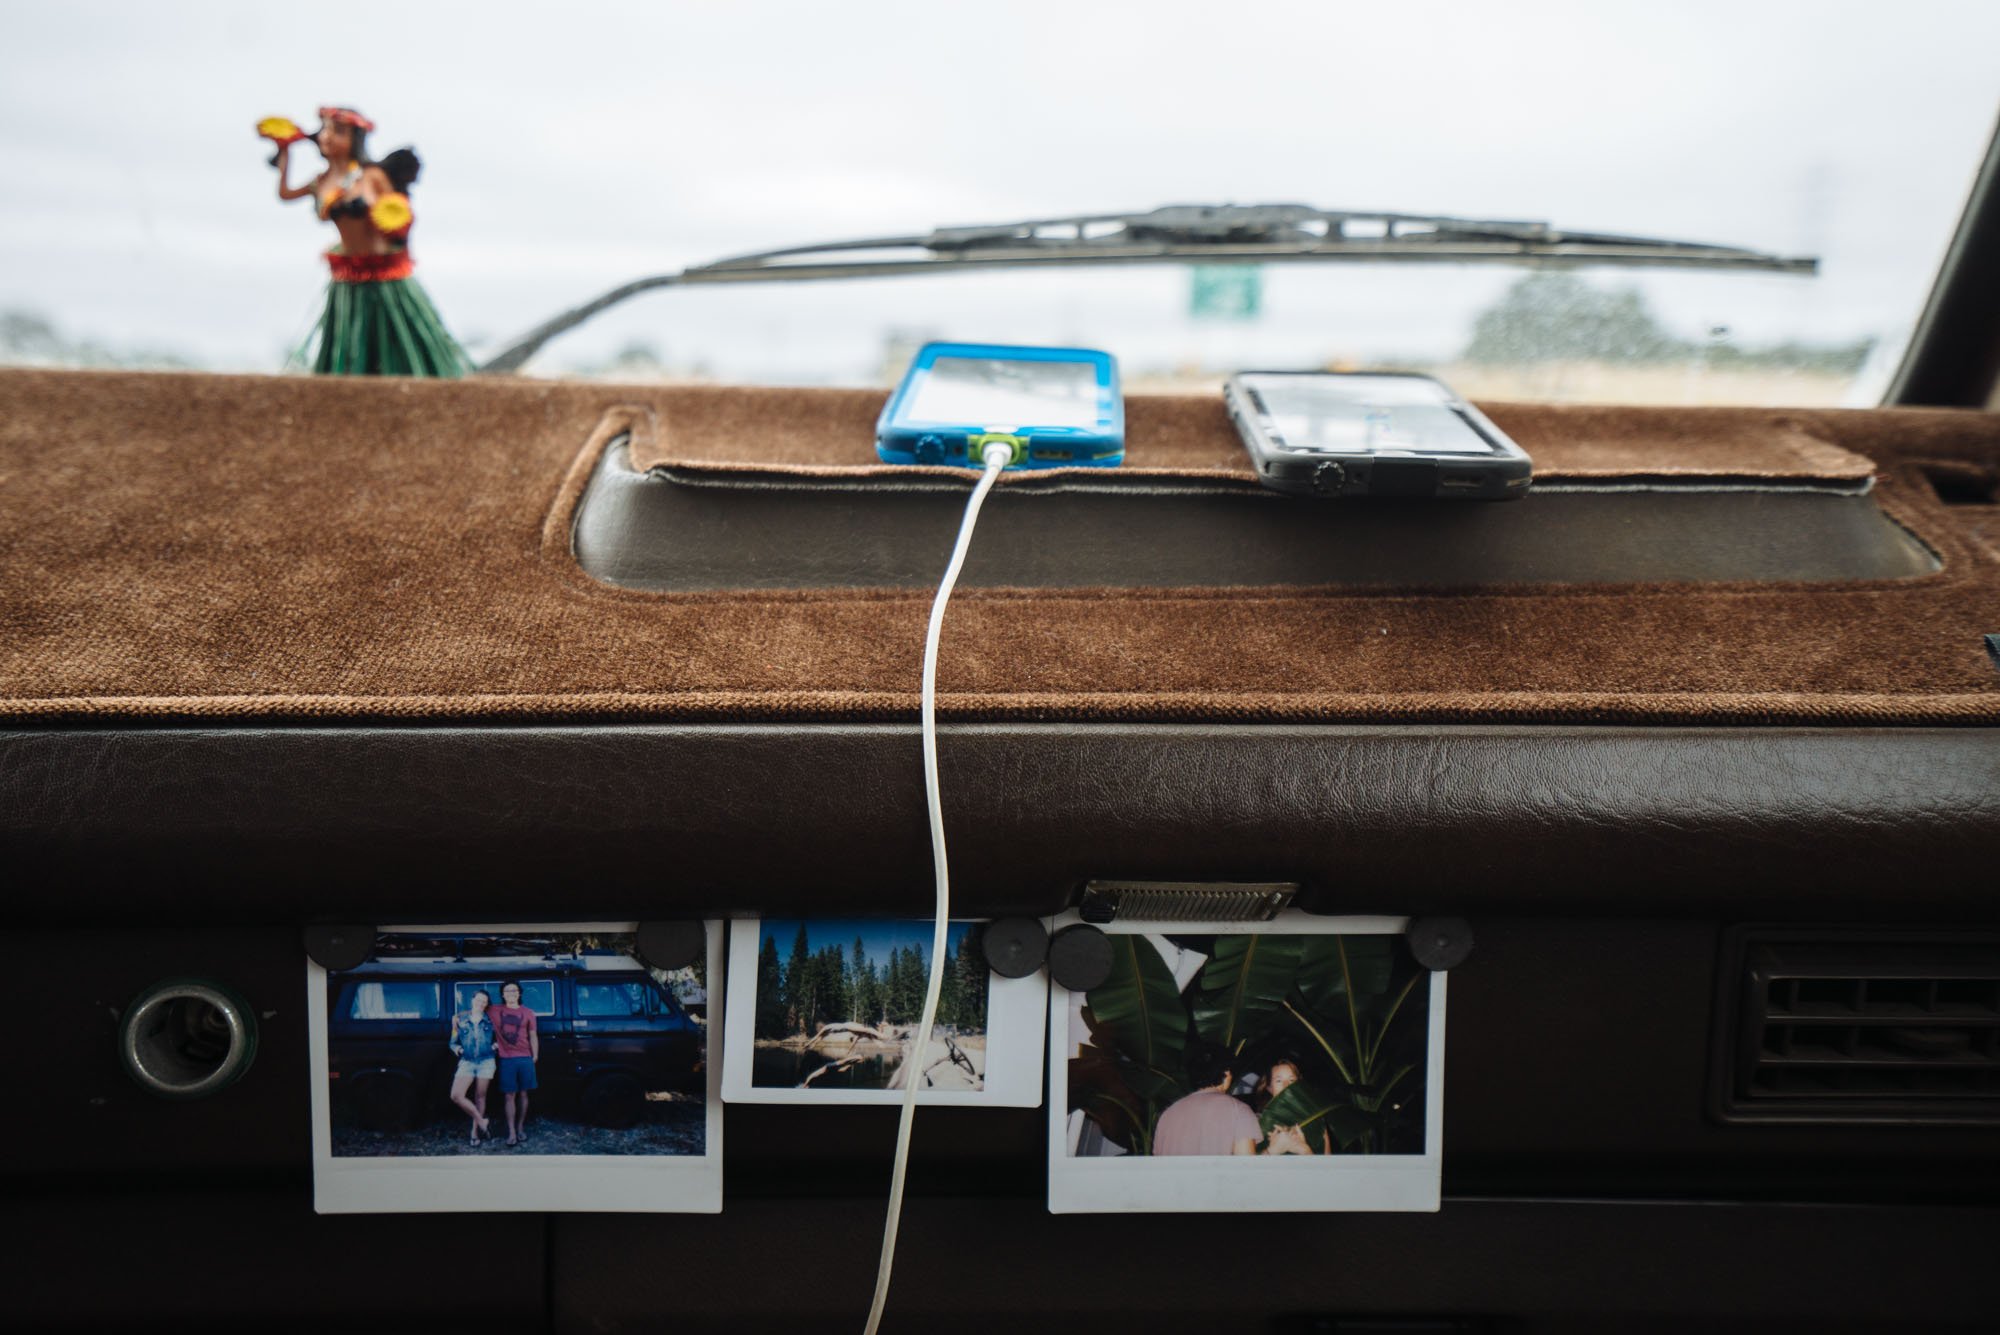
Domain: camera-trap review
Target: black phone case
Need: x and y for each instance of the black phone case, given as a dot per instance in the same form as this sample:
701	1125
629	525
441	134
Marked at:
1418	477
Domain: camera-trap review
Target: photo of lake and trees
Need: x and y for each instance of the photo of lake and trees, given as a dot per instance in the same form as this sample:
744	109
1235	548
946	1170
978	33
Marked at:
839	1000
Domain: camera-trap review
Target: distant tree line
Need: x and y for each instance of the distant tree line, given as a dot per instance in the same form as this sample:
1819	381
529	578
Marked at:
834	984
1553	316
28	339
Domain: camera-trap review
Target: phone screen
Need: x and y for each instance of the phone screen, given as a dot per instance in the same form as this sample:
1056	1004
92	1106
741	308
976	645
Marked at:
998	392
1362	414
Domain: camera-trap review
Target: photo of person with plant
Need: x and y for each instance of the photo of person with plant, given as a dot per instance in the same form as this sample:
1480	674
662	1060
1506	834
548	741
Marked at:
1254	1044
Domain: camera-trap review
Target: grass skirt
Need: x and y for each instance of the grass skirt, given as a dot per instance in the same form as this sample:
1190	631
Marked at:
383	328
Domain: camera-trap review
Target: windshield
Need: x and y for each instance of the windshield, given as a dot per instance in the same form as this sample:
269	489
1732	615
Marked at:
561	159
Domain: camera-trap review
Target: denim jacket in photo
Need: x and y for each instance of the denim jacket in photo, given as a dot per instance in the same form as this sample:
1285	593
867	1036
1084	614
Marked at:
472	1039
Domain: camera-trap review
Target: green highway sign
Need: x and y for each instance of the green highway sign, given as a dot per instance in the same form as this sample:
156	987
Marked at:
1225	291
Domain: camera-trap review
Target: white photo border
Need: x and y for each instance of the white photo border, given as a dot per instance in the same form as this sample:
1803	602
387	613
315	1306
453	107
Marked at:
1205	1185
626	1183
1014	1015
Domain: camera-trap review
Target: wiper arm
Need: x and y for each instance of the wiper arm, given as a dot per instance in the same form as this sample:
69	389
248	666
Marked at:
1181	233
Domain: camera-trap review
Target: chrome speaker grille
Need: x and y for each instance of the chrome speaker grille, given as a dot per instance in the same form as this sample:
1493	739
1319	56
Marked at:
1186	901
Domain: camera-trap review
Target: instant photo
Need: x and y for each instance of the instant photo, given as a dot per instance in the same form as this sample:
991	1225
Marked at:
1291	1065
495	1067
833	1006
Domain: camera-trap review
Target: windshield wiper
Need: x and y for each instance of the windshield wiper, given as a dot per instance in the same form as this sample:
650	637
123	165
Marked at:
1182	233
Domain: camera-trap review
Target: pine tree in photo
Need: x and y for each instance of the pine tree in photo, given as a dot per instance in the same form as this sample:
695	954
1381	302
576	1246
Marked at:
972	982
770	1019
815	990
873	1011
910	999
892	987
829	986
948	998
798	983
857	996
909	985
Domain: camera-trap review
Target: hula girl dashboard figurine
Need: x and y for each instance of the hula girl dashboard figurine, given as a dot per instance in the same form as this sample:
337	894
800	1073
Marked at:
377	320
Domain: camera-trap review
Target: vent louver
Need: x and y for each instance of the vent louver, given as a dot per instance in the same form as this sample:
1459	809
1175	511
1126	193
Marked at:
1851	1027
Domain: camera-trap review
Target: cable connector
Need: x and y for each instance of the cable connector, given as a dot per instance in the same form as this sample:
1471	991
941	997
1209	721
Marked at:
997	453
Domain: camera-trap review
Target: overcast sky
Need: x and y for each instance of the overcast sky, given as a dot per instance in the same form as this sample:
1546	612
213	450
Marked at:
568	149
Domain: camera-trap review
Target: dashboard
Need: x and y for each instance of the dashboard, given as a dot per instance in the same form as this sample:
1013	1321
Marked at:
1714	760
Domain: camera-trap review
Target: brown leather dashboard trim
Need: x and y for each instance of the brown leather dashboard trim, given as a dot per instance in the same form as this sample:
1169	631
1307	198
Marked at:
377	823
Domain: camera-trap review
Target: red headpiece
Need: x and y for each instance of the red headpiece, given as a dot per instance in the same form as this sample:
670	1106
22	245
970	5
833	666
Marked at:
345	116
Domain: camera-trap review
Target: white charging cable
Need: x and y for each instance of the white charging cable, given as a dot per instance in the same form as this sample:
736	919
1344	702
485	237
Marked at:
996	457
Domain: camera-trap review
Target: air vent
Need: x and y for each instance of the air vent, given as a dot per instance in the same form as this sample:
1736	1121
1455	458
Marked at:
1886	1027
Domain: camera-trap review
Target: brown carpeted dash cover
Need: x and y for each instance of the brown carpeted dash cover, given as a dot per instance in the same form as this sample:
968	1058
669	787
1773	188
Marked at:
208	547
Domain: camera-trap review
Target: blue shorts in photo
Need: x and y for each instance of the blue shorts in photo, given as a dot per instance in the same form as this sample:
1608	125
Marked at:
517	1074
477	1070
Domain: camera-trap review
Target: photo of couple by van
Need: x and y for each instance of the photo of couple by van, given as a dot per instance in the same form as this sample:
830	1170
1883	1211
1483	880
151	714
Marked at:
509	1044
838	1001
1273	1044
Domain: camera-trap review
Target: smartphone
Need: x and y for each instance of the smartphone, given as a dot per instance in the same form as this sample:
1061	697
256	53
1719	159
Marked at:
1058	407
1381	434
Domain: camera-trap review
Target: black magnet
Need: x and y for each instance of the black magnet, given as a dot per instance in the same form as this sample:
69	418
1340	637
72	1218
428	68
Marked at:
1080	957
338	947
1014	947
1439	943
670	945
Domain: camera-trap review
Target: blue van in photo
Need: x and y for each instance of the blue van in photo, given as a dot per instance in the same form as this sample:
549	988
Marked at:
610	1035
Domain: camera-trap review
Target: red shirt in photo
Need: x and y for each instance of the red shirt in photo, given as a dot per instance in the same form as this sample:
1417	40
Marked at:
513	1026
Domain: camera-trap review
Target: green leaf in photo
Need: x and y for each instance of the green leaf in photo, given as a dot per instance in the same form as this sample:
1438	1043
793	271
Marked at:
1138	1011
1242	987
1332	967
1312	1108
